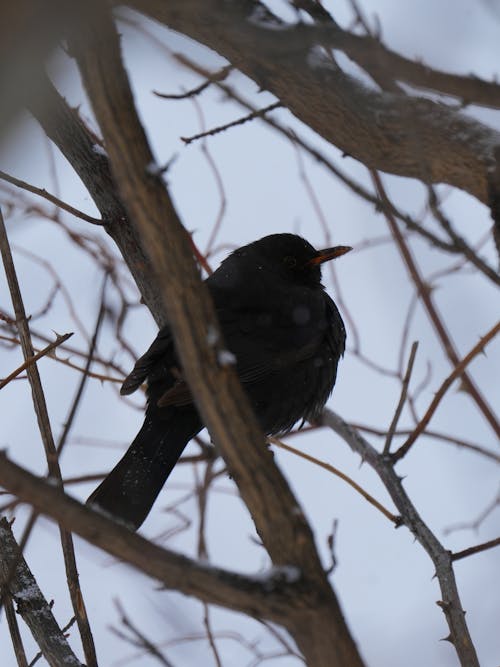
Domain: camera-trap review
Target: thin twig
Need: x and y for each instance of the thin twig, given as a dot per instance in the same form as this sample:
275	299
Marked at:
81	385
457	372
258	113
468	252
402	398
54	200
452	440
17	641
474	525
46	350
40	407
476	549
218	181
392	517
432	312
202	550
140	639
70	364
220	75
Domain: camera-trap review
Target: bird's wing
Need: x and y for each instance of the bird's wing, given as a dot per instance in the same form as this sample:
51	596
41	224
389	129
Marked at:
160	353
335	332
266	340
262	340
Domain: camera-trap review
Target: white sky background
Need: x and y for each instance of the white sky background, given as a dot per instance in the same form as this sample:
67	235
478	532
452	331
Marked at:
383	579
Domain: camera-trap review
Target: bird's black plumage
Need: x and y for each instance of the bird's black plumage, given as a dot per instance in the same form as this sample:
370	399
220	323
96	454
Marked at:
286	335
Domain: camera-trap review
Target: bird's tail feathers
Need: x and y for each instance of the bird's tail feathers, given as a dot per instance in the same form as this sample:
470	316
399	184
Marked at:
130	489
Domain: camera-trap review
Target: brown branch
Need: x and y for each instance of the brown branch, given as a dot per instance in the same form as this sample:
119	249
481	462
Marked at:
40	407
468	252
318	156
476	549
431	309
396	133
474	524
370	54
46	350
449	439
65	128
53	199
218	395
70	364
17	641
389	515
258	113
31	604
83	380
220	75
140	638
210	584
441	557
402	398
456	373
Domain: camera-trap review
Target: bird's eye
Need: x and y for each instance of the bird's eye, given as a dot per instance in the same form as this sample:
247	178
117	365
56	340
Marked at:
291	262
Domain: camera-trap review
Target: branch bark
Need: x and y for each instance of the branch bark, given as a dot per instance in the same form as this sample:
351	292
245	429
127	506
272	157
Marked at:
42	415
396	133
319	629
272	598
442	558
18	580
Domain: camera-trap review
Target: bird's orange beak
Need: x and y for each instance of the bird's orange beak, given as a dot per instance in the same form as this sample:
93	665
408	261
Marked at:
329	253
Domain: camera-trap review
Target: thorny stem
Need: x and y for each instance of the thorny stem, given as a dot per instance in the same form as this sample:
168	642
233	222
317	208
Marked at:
457	372
432	312
441	557
41	411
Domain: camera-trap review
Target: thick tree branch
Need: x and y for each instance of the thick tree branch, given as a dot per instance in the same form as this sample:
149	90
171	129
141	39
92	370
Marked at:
20	583
271	597
399	134
80	147
380	61
323	636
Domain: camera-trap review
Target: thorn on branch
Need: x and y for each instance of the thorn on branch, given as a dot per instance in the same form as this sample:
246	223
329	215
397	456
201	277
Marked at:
222	128
218	76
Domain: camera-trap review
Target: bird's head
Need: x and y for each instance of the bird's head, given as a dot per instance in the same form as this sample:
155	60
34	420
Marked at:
291	257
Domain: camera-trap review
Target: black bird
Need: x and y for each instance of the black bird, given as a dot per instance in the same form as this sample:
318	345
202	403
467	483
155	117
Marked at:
286	336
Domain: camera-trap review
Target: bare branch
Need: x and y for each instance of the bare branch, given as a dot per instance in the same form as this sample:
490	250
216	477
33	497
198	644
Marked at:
402	398
393	132
431	309
17	641
210	584
81	386
41	412
457	372
476	549
217	392
31	604
220	75
258	113
42	353
392	517
441	557
46	195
